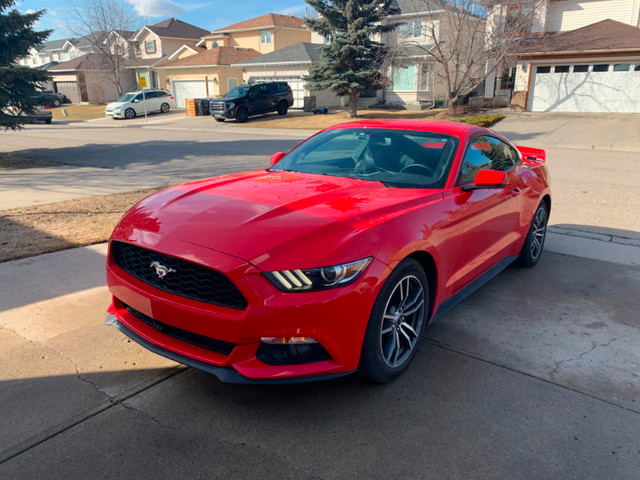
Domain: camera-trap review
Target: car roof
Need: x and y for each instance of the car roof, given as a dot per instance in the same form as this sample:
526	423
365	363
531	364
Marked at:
451	128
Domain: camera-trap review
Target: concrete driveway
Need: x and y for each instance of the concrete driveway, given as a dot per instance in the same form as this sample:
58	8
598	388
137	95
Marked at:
534	376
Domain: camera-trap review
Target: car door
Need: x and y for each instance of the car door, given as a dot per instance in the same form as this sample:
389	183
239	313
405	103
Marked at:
258	99
482	223
138	104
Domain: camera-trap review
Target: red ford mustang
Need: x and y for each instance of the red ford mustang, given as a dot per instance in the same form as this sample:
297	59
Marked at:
333	260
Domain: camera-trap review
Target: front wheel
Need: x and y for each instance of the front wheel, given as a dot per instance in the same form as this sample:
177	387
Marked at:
395	324
534	243
130	113
164	108
242	115
282	108
56	102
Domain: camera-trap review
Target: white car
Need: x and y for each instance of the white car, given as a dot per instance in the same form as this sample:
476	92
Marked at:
132	104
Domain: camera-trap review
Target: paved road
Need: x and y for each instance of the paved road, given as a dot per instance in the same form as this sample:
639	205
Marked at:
536	375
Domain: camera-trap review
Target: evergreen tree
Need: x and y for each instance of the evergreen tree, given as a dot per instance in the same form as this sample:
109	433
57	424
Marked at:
17	84
351	62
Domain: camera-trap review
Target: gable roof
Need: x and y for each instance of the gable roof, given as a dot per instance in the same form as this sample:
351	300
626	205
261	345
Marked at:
89	61
174	28
604	36
214	56
268	20
298	53
53	45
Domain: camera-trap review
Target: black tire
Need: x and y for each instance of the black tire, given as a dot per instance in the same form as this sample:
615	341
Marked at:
396	322
218	119
282	108
534	243
130	113
164	108
48	121
242	115
56	102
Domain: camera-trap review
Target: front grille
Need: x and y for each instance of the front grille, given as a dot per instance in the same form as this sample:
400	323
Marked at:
217	106
201	341
181	277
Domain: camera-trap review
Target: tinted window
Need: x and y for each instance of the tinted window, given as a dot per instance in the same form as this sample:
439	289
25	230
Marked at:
621	67
543	69
486	153
150	94
396	158
581	68
562	69
162	93
601	68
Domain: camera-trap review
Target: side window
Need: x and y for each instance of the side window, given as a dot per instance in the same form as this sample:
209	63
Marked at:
254	93
150	94
272	88
138	97
486	153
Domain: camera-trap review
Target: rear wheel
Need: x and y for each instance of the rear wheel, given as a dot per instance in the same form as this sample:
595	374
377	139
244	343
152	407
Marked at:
56	102
395	324
130	113
164	108
534	243
282	108
242	115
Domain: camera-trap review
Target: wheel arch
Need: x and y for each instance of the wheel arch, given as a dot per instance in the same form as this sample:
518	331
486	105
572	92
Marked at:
430	268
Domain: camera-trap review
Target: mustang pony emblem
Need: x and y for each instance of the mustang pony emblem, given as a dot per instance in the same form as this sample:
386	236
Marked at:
161	270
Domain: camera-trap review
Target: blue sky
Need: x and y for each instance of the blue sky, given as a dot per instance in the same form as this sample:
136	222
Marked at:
207	14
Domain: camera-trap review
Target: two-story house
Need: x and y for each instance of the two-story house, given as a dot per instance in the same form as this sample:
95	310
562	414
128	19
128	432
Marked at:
582	56
210	68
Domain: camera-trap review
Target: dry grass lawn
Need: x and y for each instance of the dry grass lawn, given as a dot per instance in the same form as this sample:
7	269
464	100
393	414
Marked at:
309	121
13	162
29	231
78	112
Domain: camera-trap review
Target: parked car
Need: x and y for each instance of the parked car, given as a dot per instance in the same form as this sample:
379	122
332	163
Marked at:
335	258
40	113
50	98
132	104
245	101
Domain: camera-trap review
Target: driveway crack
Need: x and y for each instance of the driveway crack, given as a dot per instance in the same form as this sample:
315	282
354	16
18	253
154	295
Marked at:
554	371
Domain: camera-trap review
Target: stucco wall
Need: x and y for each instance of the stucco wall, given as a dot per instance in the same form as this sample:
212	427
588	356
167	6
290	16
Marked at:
563	16
286	38
218	75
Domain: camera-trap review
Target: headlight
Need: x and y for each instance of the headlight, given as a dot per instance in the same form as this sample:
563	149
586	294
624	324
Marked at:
321	278
230	105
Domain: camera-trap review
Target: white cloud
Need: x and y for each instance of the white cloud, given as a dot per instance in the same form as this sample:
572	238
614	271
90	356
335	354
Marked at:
157	8
295	10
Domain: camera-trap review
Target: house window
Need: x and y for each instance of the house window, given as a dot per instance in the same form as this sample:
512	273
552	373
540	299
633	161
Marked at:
519	18
136	46
506	80
265	37
621	67
561	69
404	78
601	68
232	82
580	68
150	46
214	44
411	29
543	69
120	49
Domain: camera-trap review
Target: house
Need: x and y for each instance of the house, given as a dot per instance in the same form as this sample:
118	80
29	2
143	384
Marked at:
264	34
580	56
210	67
88	78
424	24
153	44
190	73
56	51
290	64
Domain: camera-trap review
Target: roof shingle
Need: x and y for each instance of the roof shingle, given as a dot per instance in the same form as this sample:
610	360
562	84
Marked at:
174	28
300	52
268	20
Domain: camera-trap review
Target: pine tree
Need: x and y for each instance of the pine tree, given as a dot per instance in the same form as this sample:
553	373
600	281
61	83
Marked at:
17	84
351	62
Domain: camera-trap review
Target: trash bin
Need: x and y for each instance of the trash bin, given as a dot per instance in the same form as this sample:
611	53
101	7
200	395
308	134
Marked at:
309	103
205	109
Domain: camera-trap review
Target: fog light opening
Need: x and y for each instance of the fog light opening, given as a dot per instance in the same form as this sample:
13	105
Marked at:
288	340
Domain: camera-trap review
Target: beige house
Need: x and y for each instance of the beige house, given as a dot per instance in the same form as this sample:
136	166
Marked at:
208	68
154	44
191	73
264	34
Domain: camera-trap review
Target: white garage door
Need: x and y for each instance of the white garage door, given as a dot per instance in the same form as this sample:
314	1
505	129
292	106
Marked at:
183	89
598	87
296	84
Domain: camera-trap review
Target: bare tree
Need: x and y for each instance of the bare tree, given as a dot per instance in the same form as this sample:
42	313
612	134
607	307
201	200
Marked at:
107	26
466	40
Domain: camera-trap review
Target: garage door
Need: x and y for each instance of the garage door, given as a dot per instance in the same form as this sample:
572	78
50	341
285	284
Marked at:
183	89
296	84
69	89
597	87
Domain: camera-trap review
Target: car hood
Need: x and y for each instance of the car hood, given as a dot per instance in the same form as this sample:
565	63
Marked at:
273	219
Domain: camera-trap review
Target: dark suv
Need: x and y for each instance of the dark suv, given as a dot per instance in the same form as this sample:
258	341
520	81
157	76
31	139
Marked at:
245	101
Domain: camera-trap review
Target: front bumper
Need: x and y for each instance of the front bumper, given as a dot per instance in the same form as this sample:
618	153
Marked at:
114	114
337	318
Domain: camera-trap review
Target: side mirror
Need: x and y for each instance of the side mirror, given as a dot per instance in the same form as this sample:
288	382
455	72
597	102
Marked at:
136	101
487	179
275	158
532	156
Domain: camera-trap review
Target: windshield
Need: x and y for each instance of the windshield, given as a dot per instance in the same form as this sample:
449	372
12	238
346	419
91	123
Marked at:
127	97
397	158
237	92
